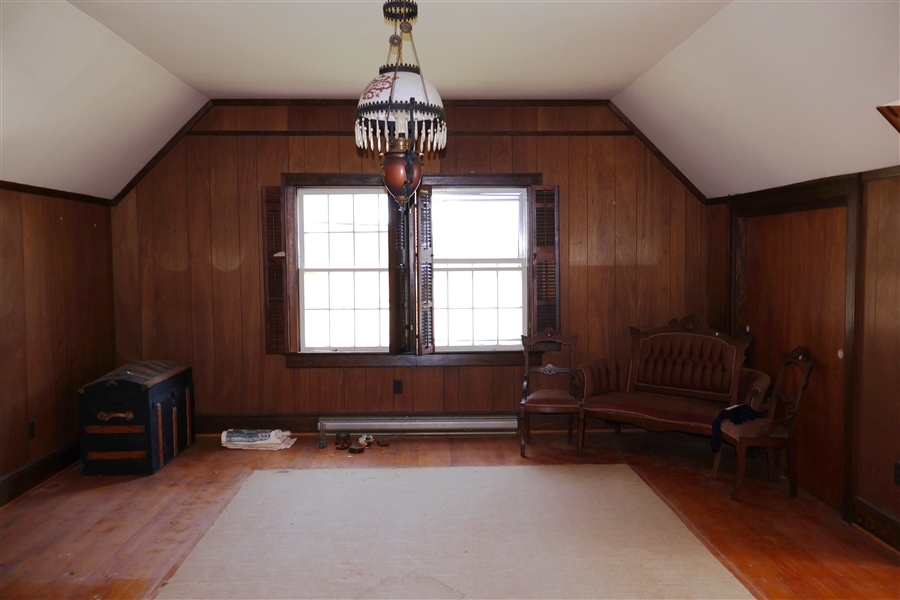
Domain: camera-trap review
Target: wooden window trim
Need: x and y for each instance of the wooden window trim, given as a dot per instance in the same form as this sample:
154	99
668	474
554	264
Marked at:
307	360
298	360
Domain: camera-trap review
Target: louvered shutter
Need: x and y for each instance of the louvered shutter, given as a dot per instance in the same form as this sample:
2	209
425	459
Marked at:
279	268
402	279
425	272
544	267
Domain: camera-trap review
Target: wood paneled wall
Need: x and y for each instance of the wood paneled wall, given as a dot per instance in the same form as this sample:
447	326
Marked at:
877	410
56	318
187	251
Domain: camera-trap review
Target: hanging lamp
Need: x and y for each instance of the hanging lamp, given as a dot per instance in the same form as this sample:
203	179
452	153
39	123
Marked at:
400	111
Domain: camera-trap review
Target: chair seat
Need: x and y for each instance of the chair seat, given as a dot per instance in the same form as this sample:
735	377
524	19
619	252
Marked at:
752	429
551	401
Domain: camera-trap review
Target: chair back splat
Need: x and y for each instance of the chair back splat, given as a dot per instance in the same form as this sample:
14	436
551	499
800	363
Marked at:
783	400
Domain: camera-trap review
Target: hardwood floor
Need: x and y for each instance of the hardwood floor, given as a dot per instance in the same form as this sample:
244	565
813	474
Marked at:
122	537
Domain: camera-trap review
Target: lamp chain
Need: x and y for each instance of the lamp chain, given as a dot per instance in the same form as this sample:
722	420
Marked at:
421	76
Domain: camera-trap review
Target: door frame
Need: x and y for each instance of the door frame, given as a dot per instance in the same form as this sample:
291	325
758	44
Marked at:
844	190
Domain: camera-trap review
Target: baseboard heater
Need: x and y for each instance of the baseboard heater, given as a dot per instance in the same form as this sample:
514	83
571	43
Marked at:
416	425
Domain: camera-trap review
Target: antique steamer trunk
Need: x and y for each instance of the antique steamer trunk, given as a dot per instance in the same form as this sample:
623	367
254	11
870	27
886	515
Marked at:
136	418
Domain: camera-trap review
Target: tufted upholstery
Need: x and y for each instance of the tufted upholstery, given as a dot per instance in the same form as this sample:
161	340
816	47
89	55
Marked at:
682	363
605	375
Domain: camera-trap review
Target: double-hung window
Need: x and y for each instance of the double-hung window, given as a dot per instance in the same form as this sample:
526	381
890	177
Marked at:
464	267
344	281
480	268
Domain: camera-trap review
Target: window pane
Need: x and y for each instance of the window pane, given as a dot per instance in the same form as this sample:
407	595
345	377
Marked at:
440	289
385	290
383	251
340	246
484	289
342	328
384	208
367	292
315	212
340	212
315	250
477	223
366	328
441	336
316	325
366	250
385	328
315	290
460	326
510	326
485	326
365	212
341	290
509	284
460	289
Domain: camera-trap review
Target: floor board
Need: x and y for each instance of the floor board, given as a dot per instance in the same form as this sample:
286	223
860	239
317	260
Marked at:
122	537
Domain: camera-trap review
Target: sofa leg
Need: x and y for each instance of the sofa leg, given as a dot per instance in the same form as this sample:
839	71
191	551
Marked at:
571	438
715	468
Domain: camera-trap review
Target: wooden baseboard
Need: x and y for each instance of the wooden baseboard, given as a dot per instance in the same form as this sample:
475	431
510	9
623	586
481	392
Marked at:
877	521
35	473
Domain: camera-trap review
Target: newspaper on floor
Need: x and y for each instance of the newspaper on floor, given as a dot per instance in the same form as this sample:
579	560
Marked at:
257	439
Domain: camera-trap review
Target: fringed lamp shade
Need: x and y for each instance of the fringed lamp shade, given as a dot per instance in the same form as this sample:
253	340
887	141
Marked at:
416	111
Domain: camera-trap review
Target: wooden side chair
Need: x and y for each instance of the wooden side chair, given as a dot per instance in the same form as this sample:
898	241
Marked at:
549	401
775	431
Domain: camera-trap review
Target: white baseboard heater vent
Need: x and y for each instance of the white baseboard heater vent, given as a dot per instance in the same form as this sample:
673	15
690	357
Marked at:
416	425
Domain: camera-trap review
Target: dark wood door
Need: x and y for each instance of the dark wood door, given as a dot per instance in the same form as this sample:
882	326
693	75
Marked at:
794	294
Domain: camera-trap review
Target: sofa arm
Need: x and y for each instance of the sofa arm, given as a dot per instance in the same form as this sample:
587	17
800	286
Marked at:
605	375
752	388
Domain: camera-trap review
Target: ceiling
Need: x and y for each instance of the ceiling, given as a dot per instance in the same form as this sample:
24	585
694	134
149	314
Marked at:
739	96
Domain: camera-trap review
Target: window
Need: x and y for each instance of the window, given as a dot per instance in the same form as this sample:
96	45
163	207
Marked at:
480	267
467	267
344	283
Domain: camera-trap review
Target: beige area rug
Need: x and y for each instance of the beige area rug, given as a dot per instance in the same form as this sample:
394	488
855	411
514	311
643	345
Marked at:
569	531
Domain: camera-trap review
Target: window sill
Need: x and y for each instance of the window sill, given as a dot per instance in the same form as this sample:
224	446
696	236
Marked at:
443	359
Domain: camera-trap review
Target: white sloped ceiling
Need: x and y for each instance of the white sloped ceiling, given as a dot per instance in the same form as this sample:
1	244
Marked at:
740	96
81	110
769	94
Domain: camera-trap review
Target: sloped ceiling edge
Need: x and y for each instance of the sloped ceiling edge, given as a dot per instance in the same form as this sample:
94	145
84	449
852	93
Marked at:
769	94
72	88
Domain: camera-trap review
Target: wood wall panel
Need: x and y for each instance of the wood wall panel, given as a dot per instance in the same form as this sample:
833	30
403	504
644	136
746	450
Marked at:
795	294
403	402
202	327
127	279
600	231
226	273
877	414
716	271
13	339
252	326
626	244
56	318
601	250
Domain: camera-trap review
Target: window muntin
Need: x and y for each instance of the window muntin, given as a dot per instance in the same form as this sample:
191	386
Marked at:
480	268
344	282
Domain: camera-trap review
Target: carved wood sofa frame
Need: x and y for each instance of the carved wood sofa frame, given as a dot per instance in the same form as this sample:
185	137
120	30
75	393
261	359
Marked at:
678	378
